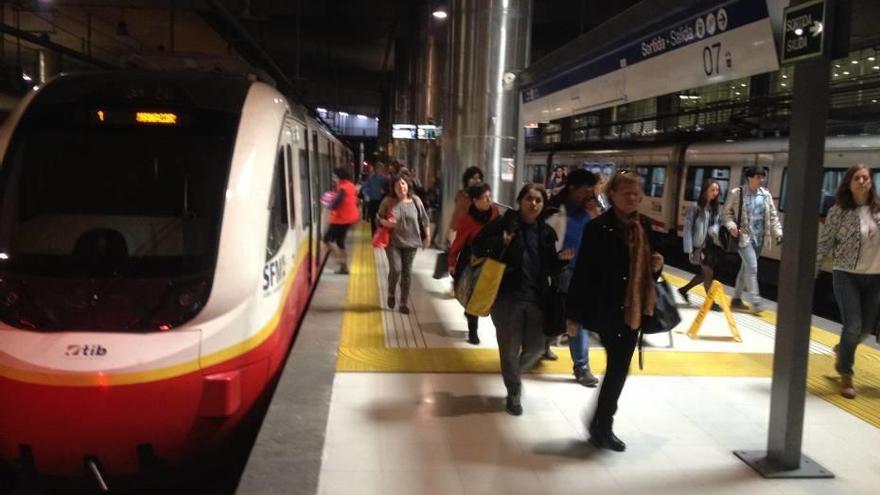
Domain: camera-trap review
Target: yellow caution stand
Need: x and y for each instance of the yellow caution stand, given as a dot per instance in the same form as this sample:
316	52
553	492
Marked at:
716	294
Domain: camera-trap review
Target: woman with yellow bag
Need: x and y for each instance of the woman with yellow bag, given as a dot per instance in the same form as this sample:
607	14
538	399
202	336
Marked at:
521	240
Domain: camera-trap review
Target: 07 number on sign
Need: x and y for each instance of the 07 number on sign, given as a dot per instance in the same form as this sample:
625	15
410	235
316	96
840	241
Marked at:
712	59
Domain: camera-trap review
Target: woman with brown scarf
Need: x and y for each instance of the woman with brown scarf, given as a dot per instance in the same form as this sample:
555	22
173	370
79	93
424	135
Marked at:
612	292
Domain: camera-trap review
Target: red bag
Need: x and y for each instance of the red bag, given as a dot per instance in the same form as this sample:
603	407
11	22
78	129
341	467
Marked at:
382	237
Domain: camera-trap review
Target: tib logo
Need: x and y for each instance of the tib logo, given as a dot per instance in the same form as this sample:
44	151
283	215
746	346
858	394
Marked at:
88	350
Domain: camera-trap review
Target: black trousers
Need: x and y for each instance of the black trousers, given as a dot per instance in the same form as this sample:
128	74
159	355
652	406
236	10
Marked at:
619	347
372	210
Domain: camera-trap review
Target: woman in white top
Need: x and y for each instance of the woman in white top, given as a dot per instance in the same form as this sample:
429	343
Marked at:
851	236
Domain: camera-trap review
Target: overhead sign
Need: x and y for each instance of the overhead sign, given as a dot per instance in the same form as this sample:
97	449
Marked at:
804	32
403	131
730	41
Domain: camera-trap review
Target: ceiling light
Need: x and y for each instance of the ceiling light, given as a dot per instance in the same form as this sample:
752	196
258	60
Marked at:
846	73
874	101
26	76
36	88
784	76
871	59
344	114
836	66
743	84
439	14
855	62
362	117
836	75
876	67
322	110
782	84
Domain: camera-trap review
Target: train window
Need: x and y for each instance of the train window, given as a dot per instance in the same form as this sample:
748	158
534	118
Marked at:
653	179
830	181
305	183
537	173
291	190
696	176
277	209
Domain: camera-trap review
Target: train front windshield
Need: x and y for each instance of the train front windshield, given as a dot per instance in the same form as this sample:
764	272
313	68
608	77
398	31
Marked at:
110	217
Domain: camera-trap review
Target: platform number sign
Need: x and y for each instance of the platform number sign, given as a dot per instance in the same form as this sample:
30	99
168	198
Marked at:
803	36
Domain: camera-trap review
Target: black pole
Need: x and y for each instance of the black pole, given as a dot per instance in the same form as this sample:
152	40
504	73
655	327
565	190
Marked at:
810	103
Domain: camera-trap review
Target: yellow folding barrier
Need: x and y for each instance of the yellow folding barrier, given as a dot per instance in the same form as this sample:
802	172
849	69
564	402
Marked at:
716	294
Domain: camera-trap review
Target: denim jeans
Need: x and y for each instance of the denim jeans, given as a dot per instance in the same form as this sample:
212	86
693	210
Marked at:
579	345
747	278
858	299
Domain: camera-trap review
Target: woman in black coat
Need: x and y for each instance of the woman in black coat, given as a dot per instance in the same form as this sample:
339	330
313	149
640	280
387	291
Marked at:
612	292
522	240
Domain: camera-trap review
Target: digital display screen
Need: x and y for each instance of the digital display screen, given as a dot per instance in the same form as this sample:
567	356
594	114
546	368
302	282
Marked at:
428	132
403	131
136	117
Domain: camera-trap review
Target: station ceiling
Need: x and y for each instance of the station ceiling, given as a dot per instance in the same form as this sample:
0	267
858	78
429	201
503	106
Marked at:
335	53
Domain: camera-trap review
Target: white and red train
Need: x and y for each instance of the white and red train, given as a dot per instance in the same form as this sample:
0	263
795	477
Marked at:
159	241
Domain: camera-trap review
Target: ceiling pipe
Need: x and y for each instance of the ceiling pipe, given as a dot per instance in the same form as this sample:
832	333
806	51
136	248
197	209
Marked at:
61	49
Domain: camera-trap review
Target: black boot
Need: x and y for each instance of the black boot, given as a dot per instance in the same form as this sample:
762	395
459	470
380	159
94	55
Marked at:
604	438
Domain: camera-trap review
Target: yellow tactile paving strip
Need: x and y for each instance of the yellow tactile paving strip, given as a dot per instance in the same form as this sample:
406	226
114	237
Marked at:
362	349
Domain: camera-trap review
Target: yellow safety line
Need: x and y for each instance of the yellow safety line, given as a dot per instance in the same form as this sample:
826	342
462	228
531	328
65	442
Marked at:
362	349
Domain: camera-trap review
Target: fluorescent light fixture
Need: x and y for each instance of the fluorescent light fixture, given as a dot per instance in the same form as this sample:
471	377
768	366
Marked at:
836	75
439	14
871	59
876	67
26	76
784	76
344	114
36	88
743	84
846	73
322	110
4	256
855	62
782	84
362	117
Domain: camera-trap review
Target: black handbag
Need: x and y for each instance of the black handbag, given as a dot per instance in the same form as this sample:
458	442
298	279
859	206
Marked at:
729	243
554	304
441	265
665	317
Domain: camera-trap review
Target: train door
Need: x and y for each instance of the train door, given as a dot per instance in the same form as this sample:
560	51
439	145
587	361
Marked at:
299	217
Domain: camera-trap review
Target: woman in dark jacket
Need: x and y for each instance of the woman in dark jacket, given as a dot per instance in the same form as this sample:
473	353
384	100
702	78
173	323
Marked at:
480	213
527	245
612	292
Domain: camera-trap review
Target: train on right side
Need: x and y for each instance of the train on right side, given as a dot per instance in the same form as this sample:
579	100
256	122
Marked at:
673	175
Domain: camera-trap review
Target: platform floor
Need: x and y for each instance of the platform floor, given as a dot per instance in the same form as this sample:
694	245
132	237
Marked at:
415	409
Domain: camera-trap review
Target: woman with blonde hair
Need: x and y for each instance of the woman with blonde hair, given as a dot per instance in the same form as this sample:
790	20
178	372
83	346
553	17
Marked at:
612	293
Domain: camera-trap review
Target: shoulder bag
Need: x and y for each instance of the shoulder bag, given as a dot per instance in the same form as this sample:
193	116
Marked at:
729	243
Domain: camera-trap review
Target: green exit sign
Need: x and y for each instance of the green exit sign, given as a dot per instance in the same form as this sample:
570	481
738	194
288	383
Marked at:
804	31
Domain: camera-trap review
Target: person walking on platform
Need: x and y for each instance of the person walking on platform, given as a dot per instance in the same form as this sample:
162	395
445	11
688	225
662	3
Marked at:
758	217
409	231
481	212
471	177
701	238
569	222
851	237
612	292
373	191
527	245
343	213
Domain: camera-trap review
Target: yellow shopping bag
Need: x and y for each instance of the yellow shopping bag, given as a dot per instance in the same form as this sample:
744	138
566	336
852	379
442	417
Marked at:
486	288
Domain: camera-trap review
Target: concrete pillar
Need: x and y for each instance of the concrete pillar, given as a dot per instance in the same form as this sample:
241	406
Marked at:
487	47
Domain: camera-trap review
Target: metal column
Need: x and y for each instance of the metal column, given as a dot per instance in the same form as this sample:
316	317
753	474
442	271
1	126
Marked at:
810	103
488	45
